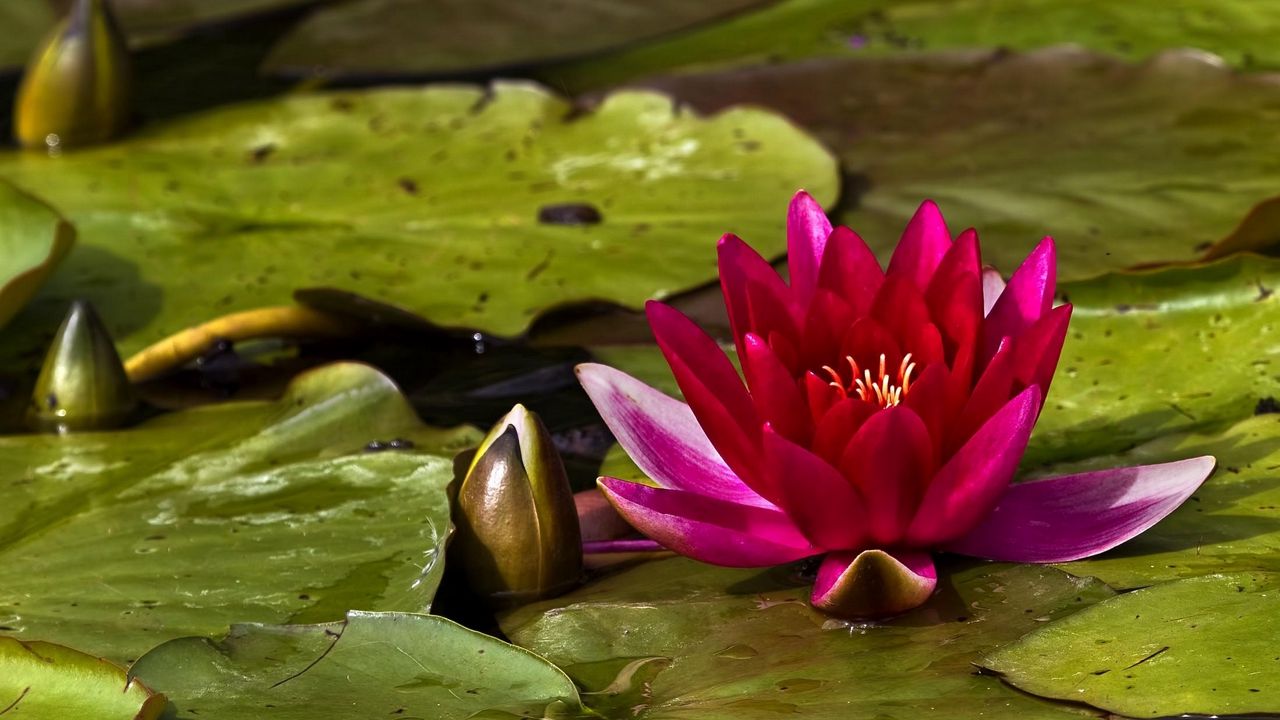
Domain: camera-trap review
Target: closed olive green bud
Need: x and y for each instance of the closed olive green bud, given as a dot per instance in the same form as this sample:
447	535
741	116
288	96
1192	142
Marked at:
83	385
75	90
517	537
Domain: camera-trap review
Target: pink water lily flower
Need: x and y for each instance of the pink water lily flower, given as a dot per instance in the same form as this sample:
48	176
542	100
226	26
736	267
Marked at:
880	415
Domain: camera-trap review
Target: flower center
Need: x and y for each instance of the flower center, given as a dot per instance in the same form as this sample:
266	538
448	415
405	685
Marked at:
882	389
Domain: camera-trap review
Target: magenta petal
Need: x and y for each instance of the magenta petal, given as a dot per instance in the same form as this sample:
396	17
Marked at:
714	391
807	231
821	502
708	529
873	583
968	486
755	296
1074	516
662	436
924	243
1028	295
776	394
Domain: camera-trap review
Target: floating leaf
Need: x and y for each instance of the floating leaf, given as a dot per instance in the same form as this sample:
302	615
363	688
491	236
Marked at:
372	665
392	193
1239	30
389	37
679	639
44	680
251	511
33	241
1204	646
1122	164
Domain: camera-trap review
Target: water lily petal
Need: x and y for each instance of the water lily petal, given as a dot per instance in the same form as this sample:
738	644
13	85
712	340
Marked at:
755	296
837	426
955	297
774	391
707	529
927	397
890	460
714	392
1036	355
821	502
1028	296
1075	516
989	394
662	436
807	231
968	486
850	270
924	243
873	583
992	285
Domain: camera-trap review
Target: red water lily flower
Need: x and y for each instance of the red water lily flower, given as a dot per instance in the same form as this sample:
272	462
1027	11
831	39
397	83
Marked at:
880	415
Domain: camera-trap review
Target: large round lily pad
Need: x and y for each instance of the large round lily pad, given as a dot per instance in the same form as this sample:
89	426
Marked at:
389	37
253	511
1241	31
1204	646
679	639
390	665
1123	164
473	209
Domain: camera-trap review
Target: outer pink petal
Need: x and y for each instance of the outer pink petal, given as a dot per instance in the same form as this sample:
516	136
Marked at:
1028	295
1075	516
815	496
662	436
992	286
924	243
807	231
873	583
714	392
708	529
967	487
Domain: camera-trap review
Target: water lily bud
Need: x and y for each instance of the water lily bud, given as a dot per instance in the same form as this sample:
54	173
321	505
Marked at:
517	536
76	87
82	385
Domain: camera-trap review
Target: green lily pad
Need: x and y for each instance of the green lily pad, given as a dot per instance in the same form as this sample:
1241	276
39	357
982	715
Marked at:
389	37
251	511
426	198
1120	163
1240	31
44	680
679	639
1204	646
33	241
372	665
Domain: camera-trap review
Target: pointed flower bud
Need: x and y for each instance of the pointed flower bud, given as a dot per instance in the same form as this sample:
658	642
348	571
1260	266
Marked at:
517	535
76	87
82	385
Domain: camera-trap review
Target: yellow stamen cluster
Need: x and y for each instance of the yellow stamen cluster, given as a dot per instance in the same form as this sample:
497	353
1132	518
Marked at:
883	390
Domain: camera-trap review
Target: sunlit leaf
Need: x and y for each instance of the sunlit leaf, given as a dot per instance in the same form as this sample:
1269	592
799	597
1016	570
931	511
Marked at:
1204	646
44	680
